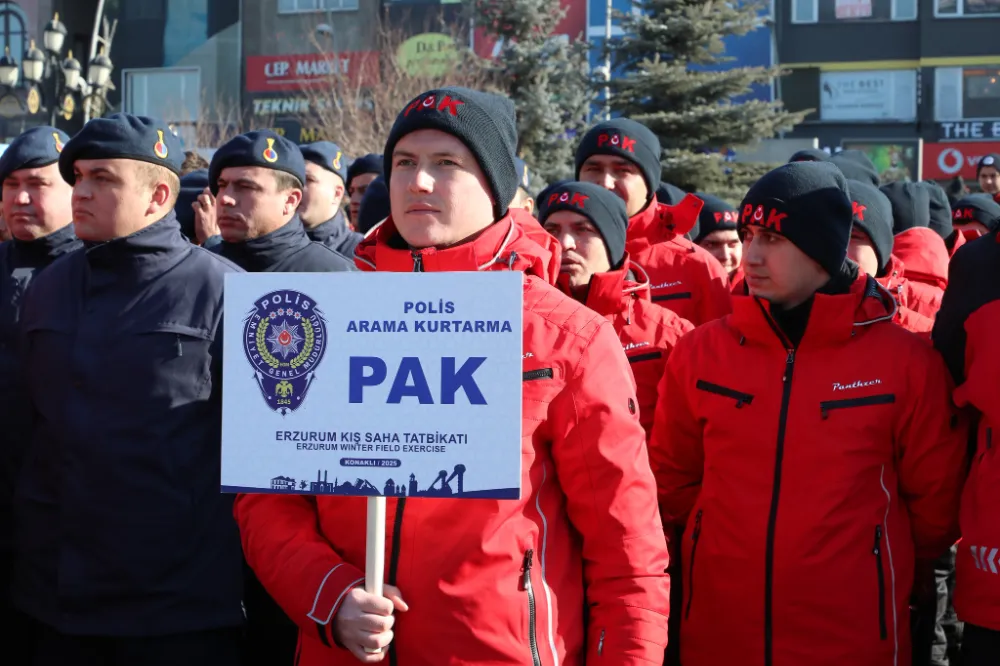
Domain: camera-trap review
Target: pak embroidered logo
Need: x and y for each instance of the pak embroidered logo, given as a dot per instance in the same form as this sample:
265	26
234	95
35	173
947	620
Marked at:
447	104
858	210
576	199
965	214
727	216
769	218
613	140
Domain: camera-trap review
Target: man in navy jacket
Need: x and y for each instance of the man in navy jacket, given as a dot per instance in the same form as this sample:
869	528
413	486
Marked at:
127	552
36	207
257	179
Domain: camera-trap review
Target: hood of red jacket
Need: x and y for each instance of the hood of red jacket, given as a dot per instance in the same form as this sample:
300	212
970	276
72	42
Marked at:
659	223
832	320
925	255
502	245
536	232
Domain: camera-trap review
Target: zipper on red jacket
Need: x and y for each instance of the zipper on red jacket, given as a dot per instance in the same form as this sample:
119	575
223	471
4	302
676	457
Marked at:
695	534
772	517
883	632
536	657
418	262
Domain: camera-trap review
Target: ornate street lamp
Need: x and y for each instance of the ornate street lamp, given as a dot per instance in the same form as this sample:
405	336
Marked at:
55	35
8	69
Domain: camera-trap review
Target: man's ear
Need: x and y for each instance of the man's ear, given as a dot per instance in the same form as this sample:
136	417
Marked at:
292	200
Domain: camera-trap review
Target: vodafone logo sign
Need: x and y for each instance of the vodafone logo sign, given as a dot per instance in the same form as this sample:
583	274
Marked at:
949	159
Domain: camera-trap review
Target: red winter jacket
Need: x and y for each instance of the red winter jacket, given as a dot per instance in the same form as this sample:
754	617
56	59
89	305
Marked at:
961	237
683	276
966	333
571	573
536	232
807	480
902	290
648	333
925	257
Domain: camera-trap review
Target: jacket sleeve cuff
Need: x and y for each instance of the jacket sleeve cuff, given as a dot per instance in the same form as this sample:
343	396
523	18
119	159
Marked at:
330	594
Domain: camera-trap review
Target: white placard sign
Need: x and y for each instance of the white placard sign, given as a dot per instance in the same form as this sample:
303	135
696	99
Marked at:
374	384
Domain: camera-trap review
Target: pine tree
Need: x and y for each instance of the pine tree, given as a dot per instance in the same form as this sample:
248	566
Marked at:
692	110
547	78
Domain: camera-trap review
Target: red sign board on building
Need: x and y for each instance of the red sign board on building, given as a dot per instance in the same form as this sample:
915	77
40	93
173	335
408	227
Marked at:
310	71
949	159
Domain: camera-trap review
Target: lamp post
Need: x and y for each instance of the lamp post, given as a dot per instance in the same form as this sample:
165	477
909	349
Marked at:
62	78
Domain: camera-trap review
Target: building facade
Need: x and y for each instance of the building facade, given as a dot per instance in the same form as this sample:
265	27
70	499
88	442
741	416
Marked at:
916	83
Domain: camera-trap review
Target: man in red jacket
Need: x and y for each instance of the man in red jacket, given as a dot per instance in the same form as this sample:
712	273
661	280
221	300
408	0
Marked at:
624	156
921	249
571	573
589	224
871	250
965	333
811	467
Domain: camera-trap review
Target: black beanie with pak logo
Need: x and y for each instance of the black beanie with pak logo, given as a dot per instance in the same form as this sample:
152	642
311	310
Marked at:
629	140
605	210
807	203
484	122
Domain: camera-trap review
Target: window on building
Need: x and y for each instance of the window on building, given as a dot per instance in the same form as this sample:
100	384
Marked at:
291	6
170	93
836	11
966	93
12	32
956	8
804	11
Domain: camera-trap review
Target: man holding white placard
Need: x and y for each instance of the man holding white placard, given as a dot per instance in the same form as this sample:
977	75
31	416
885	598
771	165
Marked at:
572	571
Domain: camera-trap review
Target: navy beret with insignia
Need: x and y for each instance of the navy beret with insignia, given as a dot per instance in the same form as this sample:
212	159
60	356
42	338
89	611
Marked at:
38	147
327	155
260	148
123	136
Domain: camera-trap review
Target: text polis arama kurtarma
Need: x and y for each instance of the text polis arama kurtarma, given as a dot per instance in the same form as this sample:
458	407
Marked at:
429	326
429	307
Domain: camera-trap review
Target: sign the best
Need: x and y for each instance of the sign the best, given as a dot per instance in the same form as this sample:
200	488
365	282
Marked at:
969	129
329	391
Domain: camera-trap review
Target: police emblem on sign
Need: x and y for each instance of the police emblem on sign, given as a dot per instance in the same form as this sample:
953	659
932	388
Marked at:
284	337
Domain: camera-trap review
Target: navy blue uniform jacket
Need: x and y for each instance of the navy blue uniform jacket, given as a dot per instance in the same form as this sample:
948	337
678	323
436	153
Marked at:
287	249
121	529
335	235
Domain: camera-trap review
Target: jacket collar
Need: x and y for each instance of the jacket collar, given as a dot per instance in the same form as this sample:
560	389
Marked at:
660	223
502	245
146	252
832	320
893	277
263	252
612	291
49	247
331	232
